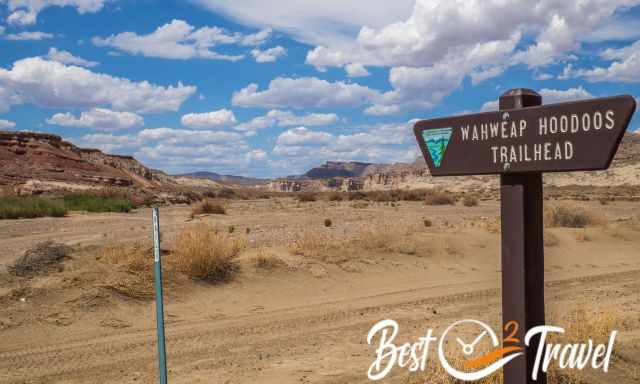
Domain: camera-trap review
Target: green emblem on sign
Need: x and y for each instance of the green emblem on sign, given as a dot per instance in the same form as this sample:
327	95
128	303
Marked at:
437	141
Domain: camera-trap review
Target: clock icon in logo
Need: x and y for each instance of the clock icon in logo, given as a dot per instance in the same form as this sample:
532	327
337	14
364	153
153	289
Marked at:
482	366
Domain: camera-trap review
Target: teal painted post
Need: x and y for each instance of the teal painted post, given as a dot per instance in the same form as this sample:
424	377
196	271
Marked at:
162	358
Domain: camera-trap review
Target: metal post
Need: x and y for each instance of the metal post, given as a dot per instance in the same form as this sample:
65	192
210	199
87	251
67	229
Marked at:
522	252
162	358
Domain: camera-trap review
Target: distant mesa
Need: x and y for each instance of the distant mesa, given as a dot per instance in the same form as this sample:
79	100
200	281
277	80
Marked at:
227	179
338	169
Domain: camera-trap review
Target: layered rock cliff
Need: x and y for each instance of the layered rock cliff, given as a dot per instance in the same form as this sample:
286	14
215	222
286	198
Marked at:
38	162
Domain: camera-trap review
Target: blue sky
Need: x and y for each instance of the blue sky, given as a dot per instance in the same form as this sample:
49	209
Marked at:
269	88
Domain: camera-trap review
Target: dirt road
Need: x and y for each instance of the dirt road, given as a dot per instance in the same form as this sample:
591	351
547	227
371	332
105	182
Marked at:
317	343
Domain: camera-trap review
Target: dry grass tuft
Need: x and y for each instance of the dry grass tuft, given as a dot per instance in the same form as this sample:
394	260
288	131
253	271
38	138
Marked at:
205	254
585	322
571	216
310	243
377	238
550	239
137	260
360	205
267	261
137	257
583	236
207	206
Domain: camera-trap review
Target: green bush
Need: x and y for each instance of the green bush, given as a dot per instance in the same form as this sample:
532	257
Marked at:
94	203
27	207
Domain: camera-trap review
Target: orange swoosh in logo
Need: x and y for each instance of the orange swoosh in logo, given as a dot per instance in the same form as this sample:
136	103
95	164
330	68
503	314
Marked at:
489	358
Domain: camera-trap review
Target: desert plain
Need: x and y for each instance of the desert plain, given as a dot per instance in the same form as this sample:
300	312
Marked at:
309	279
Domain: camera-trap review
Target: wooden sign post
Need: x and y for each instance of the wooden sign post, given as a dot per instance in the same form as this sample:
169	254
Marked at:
520	142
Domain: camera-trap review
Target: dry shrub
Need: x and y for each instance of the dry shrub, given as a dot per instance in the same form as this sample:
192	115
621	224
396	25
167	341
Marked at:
571	216
328	222
470	201
205	254
40	259
550	239
438	197
137	260
208	207
412	195
427	223
306	197
382	196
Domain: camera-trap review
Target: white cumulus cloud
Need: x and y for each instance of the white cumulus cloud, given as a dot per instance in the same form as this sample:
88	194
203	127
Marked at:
268	55
280	118
303	136
170	136
624	67
356	70
100	119
51	84
549	96
180	40
214	119
304	92
25	12
28	35
66	57
302	147
314	21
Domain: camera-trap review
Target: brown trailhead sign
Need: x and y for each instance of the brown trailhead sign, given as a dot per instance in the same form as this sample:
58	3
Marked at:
574	136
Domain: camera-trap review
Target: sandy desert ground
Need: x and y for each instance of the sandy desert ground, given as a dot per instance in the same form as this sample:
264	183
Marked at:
304	317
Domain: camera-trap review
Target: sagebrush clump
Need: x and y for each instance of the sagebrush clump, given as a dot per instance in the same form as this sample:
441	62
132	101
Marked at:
571	216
